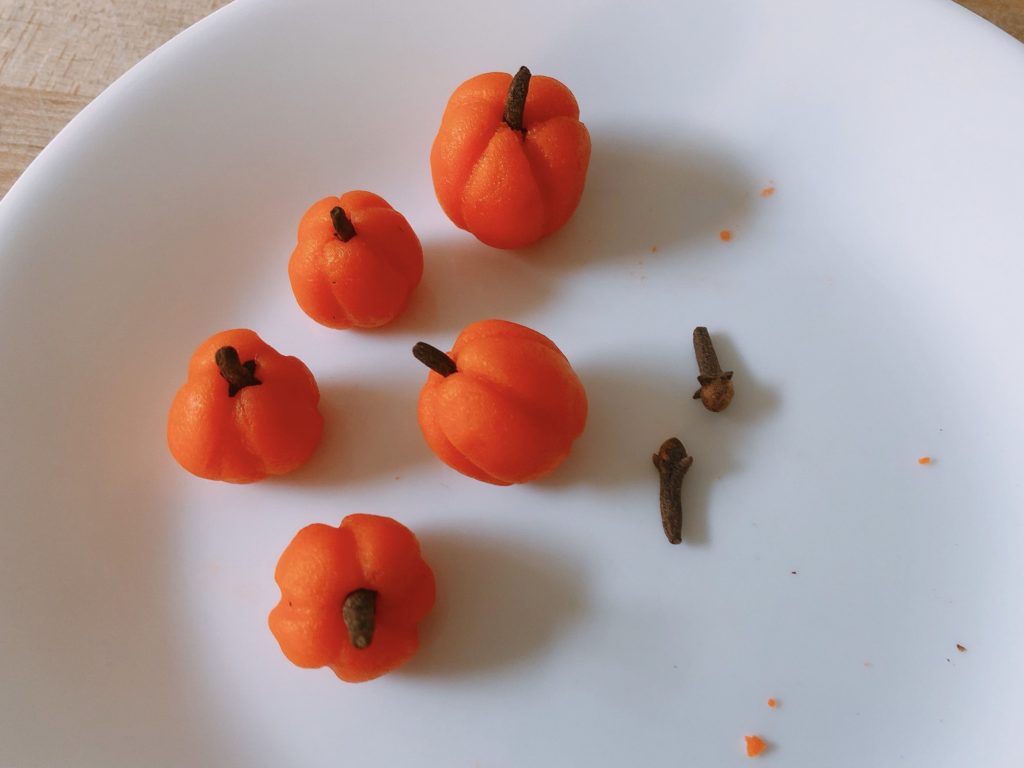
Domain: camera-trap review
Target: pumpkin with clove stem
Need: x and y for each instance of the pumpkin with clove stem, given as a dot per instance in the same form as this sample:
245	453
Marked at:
504	406
510	159
356	262
245	412
352	597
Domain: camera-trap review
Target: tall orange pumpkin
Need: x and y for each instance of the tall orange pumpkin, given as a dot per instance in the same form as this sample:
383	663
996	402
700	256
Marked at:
510	159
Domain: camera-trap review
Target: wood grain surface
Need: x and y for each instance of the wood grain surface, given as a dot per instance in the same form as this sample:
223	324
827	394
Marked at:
57	55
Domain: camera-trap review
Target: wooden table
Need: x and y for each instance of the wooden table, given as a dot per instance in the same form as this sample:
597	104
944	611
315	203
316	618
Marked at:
57	55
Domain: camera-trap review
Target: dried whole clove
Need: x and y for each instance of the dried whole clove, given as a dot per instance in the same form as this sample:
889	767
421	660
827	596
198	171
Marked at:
359	614
672	462
716	388
239	375
434	359
515	101
343	228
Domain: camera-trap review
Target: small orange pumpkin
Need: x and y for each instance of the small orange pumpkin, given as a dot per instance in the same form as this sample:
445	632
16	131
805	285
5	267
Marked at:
352	597
510	159
504	406
356	263
245	412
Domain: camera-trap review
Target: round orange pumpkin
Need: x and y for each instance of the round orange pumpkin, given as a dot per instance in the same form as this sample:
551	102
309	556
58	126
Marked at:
510	159
352	597
504	406
245	412
356	262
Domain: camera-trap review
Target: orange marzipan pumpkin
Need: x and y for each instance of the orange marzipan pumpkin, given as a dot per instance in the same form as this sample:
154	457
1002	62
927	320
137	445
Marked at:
504	406
245	411
356	262
510	159
352	597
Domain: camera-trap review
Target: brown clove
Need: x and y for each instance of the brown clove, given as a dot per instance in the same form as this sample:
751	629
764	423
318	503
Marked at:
515	100
716	388
434	359
672	462
358	612
343	228
238	375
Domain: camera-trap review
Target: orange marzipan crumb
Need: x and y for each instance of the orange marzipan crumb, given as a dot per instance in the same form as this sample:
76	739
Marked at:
925	460
773	703
725	235
755	745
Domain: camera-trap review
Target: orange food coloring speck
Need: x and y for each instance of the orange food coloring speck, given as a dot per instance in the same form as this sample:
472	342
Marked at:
755	745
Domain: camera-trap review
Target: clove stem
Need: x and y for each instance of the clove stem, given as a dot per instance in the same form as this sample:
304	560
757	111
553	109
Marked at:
343	227
239	375
358	613
672	462
515	101
434	358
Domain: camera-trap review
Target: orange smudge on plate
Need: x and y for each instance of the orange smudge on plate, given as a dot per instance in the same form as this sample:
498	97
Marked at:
925	460
725	235
773	703
755	745
768	191
654	249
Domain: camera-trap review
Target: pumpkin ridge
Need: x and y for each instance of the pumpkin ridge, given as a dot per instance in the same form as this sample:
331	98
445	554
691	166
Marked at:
506	330
476	166
244	422
508	390
516	399
339	306
542	188
524	406
491	477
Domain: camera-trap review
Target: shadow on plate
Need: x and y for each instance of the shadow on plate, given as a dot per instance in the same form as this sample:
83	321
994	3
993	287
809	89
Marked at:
370	431
644	192
90	653
465	281
498	603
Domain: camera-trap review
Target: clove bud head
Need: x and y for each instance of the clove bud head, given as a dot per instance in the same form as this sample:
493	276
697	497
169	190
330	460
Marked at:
715	391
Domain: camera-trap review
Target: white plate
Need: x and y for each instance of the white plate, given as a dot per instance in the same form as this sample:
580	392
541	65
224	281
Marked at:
871	309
